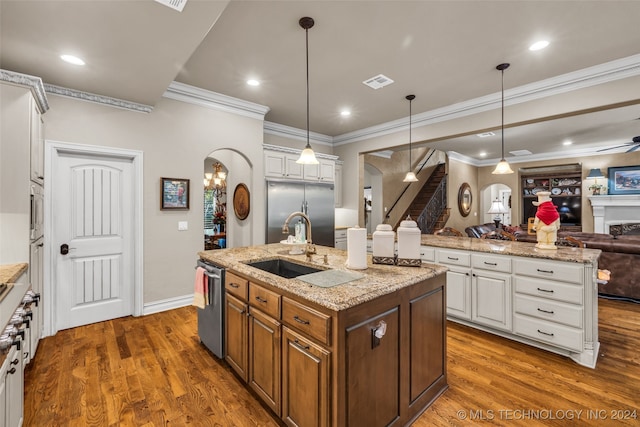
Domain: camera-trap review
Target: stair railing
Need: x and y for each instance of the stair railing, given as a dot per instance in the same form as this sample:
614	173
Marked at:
422	165
437	204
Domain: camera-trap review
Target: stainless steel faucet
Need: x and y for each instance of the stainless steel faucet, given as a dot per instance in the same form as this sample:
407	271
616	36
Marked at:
310	248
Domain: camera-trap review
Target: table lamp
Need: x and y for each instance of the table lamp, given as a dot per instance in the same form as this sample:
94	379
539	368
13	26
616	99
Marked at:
497	208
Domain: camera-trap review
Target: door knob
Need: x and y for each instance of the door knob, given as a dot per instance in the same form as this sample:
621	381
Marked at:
64	249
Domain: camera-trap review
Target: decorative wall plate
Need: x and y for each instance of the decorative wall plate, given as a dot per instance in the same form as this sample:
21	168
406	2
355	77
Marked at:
241	201
556	191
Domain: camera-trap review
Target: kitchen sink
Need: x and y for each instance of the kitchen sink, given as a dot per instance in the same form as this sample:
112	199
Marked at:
283	268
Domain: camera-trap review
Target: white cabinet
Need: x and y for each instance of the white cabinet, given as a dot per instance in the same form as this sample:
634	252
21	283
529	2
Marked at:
12	389
324	171
36	144
338	184
549	304
341	239
280	162
282	165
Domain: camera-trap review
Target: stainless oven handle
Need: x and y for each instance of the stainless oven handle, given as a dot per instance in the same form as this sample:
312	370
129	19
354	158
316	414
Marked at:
211	275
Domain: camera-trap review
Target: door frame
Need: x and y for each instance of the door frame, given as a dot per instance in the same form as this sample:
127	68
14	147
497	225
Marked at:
51	148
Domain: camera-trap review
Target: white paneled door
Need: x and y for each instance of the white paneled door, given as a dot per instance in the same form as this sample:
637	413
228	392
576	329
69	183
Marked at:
92	245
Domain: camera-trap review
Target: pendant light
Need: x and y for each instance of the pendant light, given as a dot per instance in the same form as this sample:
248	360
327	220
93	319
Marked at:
410	176
307	157
502	168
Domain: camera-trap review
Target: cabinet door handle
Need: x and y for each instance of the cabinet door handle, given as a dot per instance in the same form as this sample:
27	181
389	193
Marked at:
234	285
260	299
300	345
495	264
545	333
452	258
11	371
15	361
545	271
299	320
546	290
545	311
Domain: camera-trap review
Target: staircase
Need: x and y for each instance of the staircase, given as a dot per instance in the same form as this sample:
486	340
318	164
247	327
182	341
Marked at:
429	208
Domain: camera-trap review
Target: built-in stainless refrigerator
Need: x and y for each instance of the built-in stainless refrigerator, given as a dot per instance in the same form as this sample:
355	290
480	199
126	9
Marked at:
315	200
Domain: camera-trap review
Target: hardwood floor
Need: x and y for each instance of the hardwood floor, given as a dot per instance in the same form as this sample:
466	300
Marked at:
153	371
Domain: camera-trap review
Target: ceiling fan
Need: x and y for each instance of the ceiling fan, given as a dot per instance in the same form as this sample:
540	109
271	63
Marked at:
635	145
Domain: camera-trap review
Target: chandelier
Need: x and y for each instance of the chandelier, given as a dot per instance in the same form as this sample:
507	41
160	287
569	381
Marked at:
216	182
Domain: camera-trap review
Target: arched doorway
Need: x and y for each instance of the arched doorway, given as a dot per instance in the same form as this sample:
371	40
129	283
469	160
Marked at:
237	232
499	192
215	204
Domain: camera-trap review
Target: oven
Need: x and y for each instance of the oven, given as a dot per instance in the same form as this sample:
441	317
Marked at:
211	317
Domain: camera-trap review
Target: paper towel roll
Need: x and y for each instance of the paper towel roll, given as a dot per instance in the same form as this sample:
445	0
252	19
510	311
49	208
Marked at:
357	248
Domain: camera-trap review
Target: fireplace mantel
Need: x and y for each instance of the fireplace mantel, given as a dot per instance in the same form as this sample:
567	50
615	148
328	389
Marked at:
613	210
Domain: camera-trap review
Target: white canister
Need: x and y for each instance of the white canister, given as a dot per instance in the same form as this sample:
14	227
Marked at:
383	241
409	240
357	248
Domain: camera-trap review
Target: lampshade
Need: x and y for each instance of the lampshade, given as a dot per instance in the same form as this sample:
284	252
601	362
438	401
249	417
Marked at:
307	157
502	168
497	208
410	176
595	173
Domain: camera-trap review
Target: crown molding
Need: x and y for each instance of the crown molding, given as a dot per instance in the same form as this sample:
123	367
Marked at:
587	77
33	82
296	151
215	101
98	99
295	133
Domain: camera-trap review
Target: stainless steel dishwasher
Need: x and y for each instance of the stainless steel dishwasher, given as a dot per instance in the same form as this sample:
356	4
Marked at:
211	318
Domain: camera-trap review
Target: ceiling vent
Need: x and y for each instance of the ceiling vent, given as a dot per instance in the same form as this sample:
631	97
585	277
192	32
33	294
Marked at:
378	81
174	4
520	152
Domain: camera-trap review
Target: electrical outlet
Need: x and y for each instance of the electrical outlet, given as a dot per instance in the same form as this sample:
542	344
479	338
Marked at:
183	225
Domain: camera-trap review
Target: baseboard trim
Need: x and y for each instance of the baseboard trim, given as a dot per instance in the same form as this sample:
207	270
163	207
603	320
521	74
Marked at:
166	304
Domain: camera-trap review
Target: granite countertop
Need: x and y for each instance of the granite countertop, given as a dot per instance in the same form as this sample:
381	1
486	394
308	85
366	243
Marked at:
377	279
502	247
9	273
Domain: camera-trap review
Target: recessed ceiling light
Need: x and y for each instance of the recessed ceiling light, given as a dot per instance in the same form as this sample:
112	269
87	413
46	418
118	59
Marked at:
539	45
567	142
483	154
253	82
485	134
345	113
72	59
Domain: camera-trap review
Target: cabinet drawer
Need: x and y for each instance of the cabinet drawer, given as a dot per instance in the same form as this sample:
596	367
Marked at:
341	234
237	286
566	272
427	254
548	332
542	308
491	262
267	301
454	258
306	320
551	290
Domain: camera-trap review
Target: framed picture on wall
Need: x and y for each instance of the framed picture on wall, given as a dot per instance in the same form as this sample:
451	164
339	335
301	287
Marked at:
174	194
624	180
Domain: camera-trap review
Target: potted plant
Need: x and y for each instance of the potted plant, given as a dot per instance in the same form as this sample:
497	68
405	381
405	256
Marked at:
595	189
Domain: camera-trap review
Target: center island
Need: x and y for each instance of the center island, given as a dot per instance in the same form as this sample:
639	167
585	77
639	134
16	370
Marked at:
336	347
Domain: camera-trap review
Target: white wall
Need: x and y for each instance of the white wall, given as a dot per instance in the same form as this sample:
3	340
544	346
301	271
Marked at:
175	138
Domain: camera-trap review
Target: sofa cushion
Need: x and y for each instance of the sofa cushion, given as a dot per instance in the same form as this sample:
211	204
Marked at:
478	230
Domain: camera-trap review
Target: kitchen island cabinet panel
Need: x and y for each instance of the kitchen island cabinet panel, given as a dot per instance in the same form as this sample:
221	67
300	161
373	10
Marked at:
305	381
264	358
428	344
236	335
373	370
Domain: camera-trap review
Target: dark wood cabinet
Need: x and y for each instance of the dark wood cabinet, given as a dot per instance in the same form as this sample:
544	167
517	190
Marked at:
264	357
566	194
305	381
236	335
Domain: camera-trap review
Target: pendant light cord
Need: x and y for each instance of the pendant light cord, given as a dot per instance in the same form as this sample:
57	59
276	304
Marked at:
307	49
502	131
